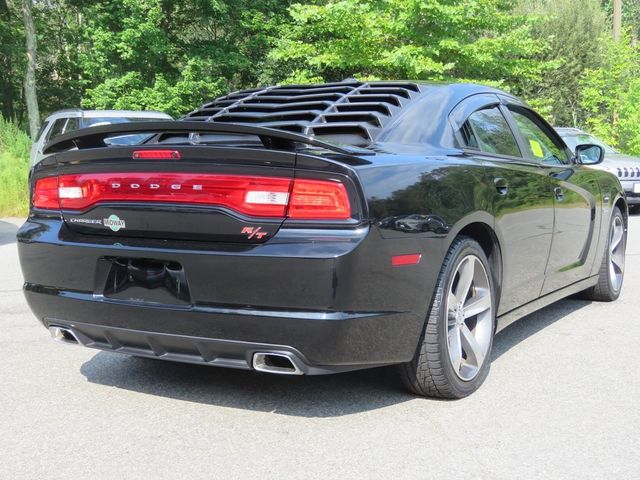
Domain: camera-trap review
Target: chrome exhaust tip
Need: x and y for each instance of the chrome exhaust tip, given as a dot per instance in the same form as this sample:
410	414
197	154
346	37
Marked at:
278	363
63	335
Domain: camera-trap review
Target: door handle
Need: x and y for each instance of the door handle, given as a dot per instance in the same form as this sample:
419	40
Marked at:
501	185
559	193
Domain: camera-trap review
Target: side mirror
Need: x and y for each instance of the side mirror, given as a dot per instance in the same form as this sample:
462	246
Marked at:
589	154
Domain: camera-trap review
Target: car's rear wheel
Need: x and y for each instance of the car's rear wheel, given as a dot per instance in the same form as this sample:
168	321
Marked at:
453	355
611	273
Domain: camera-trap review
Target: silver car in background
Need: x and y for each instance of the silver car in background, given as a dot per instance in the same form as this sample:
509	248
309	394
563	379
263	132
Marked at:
625	167
64	121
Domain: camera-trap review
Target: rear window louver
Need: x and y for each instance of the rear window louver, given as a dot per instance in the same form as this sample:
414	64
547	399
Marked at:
348	112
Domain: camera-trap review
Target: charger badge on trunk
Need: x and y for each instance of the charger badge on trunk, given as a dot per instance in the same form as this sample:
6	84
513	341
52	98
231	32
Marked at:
114	223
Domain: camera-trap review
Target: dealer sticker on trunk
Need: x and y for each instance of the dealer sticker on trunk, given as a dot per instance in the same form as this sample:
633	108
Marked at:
114	223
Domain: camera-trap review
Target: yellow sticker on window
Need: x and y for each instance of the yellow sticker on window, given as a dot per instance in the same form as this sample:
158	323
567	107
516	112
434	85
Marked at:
536	148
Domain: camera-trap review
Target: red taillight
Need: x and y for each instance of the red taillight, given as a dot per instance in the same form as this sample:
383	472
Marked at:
319	199
45	194
156	155
250	195
255	196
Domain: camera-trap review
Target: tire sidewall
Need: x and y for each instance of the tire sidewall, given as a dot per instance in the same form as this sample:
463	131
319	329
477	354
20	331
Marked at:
462	249
607	254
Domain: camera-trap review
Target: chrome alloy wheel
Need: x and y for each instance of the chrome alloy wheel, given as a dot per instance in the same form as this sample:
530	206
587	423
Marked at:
469	317
616	253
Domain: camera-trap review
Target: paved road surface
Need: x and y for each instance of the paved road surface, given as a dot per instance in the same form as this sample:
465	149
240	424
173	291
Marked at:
562	401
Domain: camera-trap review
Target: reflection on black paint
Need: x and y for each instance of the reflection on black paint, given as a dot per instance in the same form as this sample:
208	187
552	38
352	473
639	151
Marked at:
415	223
563	175
452	191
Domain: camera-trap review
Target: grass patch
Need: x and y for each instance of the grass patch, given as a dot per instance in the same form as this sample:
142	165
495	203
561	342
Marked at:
14	170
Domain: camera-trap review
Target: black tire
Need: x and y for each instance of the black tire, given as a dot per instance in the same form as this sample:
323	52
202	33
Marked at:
431	373
634	209
605	290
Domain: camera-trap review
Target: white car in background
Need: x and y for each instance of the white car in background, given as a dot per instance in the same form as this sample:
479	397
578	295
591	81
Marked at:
64	121
625	167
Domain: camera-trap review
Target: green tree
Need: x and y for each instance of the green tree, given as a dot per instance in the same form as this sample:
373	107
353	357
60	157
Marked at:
630	15
571	29
481	40
172	55
615	87
30	89
11	57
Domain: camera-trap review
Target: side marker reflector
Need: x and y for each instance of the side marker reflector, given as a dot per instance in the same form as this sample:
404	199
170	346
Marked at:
410	259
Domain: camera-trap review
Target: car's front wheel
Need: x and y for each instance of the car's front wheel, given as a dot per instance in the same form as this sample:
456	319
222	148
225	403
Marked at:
611	273
453	355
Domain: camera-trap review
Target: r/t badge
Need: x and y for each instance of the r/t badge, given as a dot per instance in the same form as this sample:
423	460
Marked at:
254	232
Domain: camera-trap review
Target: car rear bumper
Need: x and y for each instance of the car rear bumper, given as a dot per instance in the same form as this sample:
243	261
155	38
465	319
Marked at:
333	305
323	341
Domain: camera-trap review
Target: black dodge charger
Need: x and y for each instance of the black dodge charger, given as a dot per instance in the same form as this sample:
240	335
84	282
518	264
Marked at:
313	229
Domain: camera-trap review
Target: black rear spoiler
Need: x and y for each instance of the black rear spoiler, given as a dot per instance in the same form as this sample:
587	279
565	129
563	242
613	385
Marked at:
94	137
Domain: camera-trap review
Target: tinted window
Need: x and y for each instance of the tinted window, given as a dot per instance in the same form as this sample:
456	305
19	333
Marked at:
134	139
488	131
72	124
540	146
56	129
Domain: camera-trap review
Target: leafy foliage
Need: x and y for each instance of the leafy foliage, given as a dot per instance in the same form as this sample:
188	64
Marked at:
173	55
11	58
611	95
481	40
170	55
130	91
14	169
572	31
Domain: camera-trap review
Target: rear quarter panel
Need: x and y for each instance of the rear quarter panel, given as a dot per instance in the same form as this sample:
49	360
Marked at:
419	204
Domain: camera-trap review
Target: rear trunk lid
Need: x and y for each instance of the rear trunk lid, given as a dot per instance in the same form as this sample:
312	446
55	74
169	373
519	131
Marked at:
180	192
197	181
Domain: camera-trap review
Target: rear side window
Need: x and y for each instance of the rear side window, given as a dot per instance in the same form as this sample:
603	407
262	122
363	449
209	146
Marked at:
487	130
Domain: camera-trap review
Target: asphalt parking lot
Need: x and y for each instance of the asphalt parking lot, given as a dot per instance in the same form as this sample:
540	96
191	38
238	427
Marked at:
562	401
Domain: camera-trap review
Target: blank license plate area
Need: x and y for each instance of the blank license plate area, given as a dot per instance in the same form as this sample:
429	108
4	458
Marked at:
144	280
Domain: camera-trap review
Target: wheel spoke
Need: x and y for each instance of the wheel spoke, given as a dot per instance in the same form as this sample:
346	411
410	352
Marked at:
477	305
617	259
469	297
616	238
471	346
464	279
452	301
455	348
